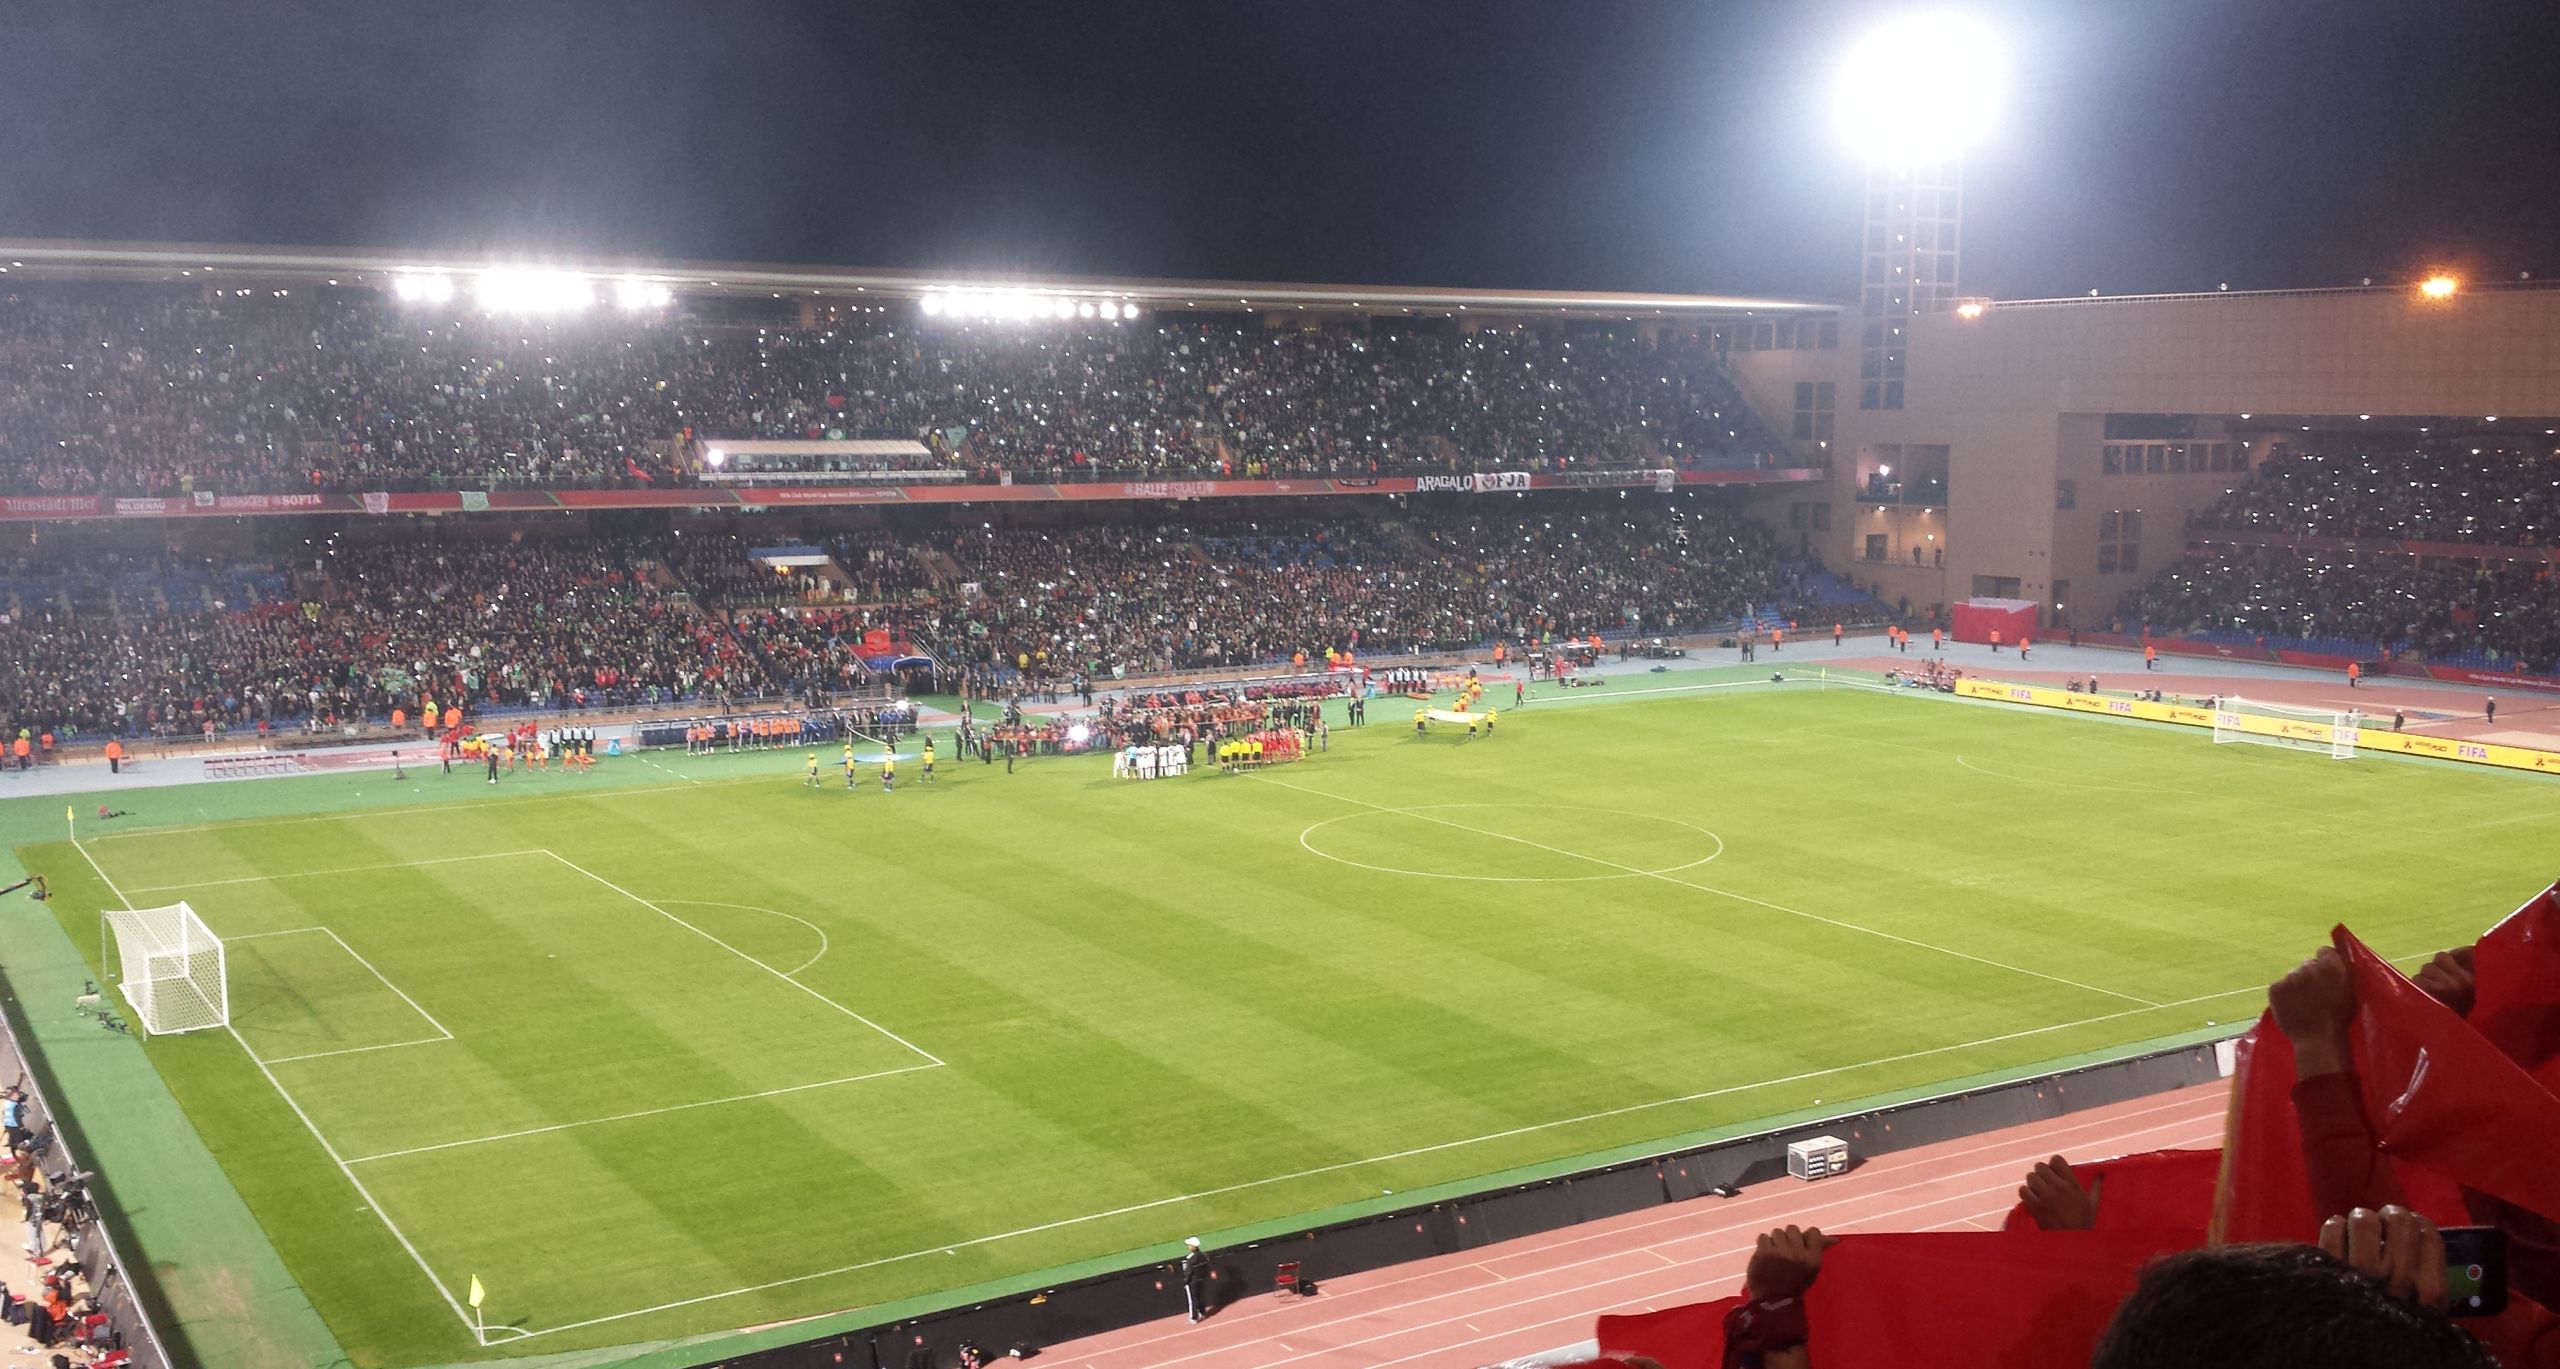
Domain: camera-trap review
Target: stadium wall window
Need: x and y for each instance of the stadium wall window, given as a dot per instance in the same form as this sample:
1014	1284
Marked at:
2106	558
2066	494
2112	460
1822	518
2177	458
1893	394
1799	514
2155	458
1869	395
1875	546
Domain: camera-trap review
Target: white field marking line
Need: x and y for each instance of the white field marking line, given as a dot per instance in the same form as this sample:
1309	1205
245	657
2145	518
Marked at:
652	761
414	809
1727	893
316	874
768	969
1340	1166
314	1128
823	944
644	1112
1864	1222
1311	849
352	1050
2015	1150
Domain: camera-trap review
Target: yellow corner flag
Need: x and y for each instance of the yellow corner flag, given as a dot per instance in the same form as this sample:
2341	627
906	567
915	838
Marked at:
478	1294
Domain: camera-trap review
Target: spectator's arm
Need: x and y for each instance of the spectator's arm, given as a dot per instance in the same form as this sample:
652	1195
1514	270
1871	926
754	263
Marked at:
1771	1325
2314	1005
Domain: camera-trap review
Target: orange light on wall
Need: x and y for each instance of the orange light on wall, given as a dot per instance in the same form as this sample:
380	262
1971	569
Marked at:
2439	286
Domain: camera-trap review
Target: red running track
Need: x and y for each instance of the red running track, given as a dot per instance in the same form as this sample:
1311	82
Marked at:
1524	1297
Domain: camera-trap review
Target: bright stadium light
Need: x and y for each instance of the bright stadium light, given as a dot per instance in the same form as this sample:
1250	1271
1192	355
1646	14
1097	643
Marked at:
715	458
422	287
635	294
2439	286
1920	88
518	290
931	304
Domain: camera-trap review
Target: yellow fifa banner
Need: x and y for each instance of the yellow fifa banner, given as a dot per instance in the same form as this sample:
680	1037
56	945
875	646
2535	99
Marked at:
2368	736
478	1294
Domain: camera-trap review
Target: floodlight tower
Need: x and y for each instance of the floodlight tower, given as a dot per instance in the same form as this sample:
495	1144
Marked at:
1913	96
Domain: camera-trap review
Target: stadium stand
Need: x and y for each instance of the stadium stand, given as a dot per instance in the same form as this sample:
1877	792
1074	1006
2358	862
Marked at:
2439	551
154	391
346	629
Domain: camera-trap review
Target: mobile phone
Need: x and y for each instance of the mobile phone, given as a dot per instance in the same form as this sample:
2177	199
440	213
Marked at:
2475	1271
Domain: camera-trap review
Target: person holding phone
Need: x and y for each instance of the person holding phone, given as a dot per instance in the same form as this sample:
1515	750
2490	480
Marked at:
2370	1296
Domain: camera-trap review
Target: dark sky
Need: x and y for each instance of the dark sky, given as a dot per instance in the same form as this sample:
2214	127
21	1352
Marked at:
1675	145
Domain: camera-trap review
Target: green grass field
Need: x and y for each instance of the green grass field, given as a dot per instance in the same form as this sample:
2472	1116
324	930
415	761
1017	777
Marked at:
687	1046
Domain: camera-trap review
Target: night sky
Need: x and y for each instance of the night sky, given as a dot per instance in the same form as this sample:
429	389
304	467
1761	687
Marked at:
2146	144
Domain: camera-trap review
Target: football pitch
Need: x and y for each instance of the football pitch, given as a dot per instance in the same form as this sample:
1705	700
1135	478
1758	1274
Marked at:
687	1045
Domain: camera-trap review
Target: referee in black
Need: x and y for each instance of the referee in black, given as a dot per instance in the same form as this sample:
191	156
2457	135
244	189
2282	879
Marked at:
1195	1278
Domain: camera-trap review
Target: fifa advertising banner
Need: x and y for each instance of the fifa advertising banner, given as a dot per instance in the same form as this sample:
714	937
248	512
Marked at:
2188	715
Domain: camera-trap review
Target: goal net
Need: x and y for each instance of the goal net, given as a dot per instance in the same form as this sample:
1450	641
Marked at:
169	966
2328	730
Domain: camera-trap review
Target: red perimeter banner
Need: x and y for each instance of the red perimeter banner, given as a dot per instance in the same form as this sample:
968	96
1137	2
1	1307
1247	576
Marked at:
208	504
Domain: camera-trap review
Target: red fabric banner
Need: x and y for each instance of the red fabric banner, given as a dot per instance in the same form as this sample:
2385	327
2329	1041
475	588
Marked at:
2448	1107
2157	1190
1932	1300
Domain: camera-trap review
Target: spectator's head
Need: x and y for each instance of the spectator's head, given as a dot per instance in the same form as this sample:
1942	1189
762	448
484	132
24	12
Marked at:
2275	1307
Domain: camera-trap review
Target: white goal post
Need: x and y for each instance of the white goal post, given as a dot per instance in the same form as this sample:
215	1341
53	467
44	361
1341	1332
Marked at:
2327	730
169	966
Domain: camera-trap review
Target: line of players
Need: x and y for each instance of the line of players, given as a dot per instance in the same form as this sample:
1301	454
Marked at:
744	734
525	745
853	769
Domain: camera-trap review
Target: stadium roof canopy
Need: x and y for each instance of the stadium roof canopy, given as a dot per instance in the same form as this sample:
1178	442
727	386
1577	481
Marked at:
275	267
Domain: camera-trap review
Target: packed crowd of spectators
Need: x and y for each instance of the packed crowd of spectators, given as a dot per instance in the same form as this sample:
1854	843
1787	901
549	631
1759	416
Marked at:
348	630
1116	601
152	391
2493	610
365	629
2457	490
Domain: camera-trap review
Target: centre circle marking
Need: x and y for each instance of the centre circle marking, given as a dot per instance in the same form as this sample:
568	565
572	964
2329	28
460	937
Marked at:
1420	810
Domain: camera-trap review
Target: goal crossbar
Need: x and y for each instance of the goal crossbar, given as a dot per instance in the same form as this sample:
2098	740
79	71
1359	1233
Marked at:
2329	730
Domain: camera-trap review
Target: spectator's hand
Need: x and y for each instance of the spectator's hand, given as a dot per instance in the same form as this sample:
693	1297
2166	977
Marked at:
1784	1263
2314	1006
2448	979
2055	1198
2394	1246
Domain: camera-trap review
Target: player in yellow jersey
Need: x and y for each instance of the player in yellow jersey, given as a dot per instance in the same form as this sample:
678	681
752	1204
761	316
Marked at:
813	769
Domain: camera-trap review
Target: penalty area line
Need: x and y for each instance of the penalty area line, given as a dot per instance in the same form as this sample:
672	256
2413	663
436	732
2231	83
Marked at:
433	1279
